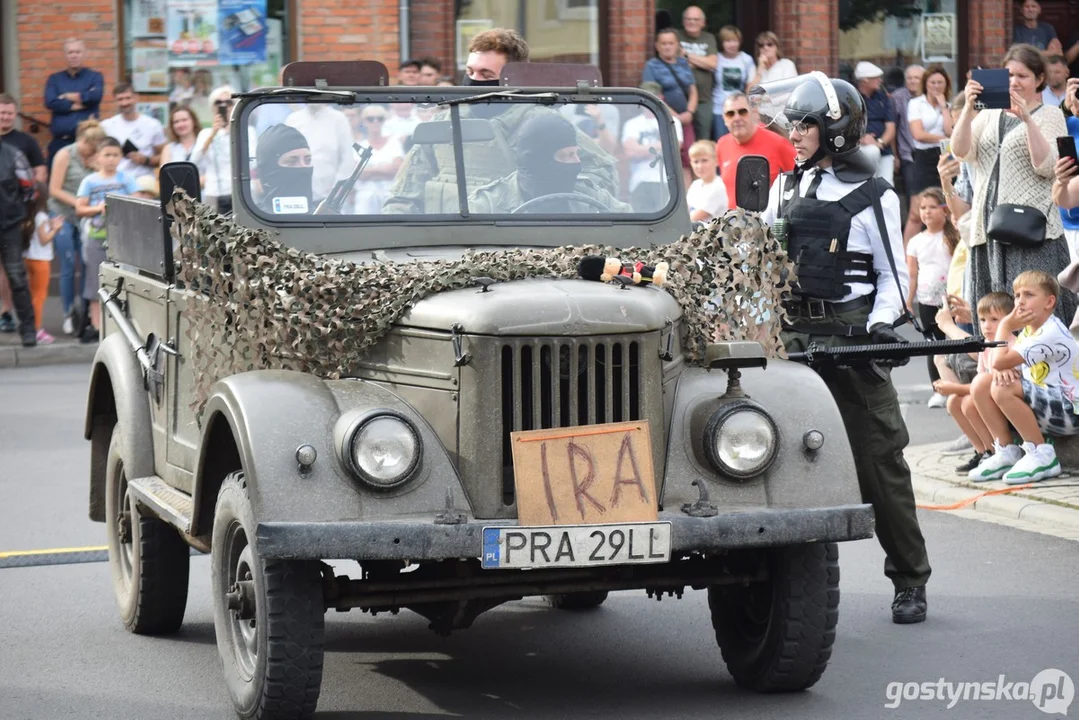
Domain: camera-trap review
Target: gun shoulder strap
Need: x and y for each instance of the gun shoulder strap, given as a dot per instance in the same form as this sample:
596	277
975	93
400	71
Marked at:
882	186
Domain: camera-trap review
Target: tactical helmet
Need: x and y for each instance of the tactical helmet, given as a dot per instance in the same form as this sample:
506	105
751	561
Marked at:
835	106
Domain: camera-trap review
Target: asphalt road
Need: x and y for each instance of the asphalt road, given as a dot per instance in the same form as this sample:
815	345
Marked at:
1002	601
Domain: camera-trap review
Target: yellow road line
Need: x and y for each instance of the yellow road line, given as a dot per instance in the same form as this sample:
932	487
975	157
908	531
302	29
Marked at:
51	551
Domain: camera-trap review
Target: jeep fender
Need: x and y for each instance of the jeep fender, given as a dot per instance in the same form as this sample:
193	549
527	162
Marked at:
798	401
269	414
117	394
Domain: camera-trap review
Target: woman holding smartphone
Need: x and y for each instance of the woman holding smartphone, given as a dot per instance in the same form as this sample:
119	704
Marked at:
1066	188
930	121
1013	153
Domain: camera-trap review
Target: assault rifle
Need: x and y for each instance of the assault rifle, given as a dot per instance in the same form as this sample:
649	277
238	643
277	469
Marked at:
335	201
866	357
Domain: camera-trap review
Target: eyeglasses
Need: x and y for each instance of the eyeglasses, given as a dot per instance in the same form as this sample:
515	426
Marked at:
766	43
740	112
801	126
375	118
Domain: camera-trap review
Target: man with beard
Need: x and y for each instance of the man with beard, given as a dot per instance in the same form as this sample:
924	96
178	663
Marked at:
285	171
141	137
548	163
427	182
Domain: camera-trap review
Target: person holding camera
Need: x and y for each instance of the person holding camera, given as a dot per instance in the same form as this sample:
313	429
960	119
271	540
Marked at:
213	153
1013	154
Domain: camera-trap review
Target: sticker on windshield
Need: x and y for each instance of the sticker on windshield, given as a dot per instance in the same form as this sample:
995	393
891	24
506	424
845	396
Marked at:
290	205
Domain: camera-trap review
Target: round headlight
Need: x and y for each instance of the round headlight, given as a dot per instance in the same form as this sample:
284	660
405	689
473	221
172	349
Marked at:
384	450
741	441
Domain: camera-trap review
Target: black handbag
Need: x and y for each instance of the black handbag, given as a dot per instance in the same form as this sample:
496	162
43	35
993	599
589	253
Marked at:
1019	225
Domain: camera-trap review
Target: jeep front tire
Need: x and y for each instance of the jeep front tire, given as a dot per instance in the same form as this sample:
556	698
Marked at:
268	617
777	635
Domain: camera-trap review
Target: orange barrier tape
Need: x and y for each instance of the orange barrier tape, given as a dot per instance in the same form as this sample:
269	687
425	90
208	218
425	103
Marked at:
971	500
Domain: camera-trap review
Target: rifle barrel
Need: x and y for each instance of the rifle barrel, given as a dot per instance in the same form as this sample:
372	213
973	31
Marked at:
847	354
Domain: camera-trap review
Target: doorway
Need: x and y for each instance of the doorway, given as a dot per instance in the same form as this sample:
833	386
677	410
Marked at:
749	16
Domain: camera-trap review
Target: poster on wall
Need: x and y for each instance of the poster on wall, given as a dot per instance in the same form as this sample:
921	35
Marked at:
268	73
148	18
243	32
157	110
466	30
192	32
938	37
149	66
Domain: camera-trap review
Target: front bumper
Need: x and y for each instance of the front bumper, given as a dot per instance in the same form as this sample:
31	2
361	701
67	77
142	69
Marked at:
422	539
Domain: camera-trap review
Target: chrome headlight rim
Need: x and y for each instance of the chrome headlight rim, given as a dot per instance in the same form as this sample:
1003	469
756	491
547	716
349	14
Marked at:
715	425
352	433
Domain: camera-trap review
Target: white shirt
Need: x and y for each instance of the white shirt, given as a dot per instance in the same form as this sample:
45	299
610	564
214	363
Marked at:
934	261
711	197
215	162
782	69
1050	357
329	135
644	128
37	250
931	117
144	132
398	126
864	238
1051	98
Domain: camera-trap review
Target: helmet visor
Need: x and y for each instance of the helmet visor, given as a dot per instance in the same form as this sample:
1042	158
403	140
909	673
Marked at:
773	100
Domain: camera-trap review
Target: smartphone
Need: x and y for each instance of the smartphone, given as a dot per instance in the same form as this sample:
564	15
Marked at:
946	147
995	94
223	110
1066	148
129	147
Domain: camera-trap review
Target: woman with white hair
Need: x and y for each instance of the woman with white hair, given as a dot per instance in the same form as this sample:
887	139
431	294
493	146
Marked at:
213	152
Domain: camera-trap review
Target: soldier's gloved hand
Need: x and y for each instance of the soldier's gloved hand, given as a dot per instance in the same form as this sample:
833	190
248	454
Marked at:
883	333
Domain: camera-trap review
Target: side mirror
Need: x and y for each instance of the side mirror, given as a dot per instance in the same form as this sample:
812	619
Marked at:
183	175
751	183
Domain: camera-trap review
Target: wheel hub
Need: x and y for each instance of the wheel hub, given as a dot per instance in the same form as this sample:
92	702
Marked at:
123	527
241	599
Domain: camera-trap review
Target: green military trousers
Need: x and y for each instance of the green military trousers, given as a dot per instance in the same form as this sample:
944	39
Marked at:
877	433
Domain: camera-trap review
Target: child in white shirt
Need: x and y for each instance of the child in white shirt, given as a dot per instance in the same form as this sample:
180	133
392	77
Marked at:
707	195
1043	399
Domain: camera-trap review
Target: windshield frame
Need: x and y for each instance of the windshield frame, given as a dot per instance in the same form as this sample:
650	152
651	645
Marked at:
247	210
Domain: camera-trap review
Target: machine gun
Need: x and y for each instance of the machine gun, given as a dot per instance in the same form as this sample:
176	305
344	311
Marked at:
336	199
865	357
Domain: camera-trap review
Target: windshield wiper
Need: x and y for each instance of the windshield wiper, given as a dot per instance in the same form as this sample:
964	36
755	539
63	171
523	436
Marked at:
347	96
510	93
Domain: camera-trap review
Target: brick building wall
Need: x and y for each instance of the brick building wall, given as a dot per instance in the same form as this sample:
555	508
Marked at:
333	30
809	32
431	32
630	27
990	31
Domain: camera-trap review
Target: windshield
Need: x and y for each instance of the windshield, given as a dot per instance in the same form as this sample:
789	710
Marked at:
612	159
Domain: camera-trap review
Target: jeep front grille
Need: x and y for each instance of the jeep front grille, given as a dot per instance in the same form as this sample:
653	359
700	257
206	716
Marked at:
564	382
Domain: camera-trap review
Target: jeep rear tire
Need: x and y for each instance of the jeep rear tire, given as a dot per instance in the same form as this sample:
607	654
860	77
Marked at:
578	600
268	616
777	636
150	562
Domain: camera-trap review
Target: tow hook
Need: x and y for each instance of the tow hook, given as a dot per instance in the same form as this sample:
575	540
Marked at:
241	599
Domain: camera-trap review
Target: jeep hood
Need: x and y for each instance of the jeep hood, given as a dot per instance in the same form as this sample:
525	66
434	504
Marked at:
546	307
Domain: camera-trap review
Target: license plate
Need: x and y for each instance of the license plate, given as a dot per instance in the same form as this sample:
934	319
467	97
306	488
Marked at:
576	545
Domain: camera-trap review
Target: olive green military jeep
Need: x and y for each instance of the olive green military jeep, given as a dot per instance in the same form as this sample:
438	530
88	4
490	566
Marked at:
538	436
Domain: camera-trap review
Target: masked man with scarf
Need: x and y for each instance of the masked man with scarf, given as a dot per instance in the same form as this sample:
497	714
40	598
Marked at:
285	171
842	228
548	162
427	181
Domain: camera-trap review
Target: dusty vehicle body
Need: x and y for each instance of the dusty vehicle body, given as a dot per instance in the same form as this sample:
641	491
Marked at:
266	477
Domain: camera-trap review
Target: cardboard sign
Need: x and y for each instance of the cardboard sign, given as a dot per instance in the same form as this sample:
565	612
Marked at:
585	475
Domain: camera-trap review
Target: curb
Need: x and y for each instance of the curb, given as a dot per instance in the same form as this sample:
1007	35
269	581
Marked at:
57	354
939	492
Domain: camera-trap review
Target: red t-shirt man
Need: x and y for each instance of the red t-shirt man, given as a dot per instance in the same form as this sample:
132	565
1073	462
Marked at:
760	141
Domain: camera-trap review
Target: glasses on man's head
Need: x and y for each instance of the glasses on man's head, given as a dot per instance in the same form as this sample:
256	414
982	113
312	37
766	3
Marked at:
740	112
801	126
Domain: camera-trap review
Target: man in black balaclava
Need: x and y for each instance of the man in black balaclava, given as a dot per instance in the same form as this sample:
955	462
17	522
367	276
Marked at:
548	162
285	171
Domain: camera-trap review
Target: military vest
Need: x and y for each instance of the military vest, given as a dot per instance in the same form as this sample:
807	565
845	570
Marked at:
817	235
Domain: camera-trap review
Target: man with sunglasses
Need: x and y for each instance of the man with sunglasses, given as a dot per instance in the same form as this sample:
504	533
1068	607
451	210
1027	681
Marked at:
746	136
842	227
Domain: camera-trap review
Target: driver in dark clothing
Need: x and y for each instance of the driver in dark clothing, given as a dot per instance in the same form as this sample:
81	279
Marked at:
285	171
548	163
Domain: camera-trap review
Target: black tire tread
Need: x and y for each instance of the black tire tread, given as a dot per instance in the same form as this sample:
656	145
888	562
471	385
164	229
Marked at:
808	613
162	585
587	600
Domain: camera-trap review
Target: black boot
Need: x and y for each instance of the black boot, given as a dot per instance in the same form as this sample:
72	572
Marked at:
909	605
29	337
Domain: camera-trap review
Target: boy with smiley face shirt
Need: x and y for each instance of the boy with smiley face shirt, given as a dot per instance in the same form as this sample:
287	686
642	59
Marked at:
1044	398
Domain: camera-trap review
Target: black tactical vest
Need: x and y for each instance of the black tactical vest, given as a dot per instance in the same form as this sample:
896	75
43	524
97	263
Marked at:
817	236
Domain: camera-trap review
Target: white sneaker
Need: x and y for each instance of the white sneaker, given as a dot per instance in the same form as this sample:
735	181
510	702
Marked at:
69	325
937	401
960	446
994	466
1039	462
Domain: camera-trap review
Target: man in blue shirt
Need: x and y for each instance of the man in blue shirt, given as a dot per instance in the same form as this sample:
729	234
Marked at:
73	95
880	125
1032	32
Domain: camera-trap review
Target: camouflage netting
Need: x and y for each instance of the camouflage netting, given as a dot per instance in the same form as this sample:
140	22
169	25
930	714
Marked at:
261	305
